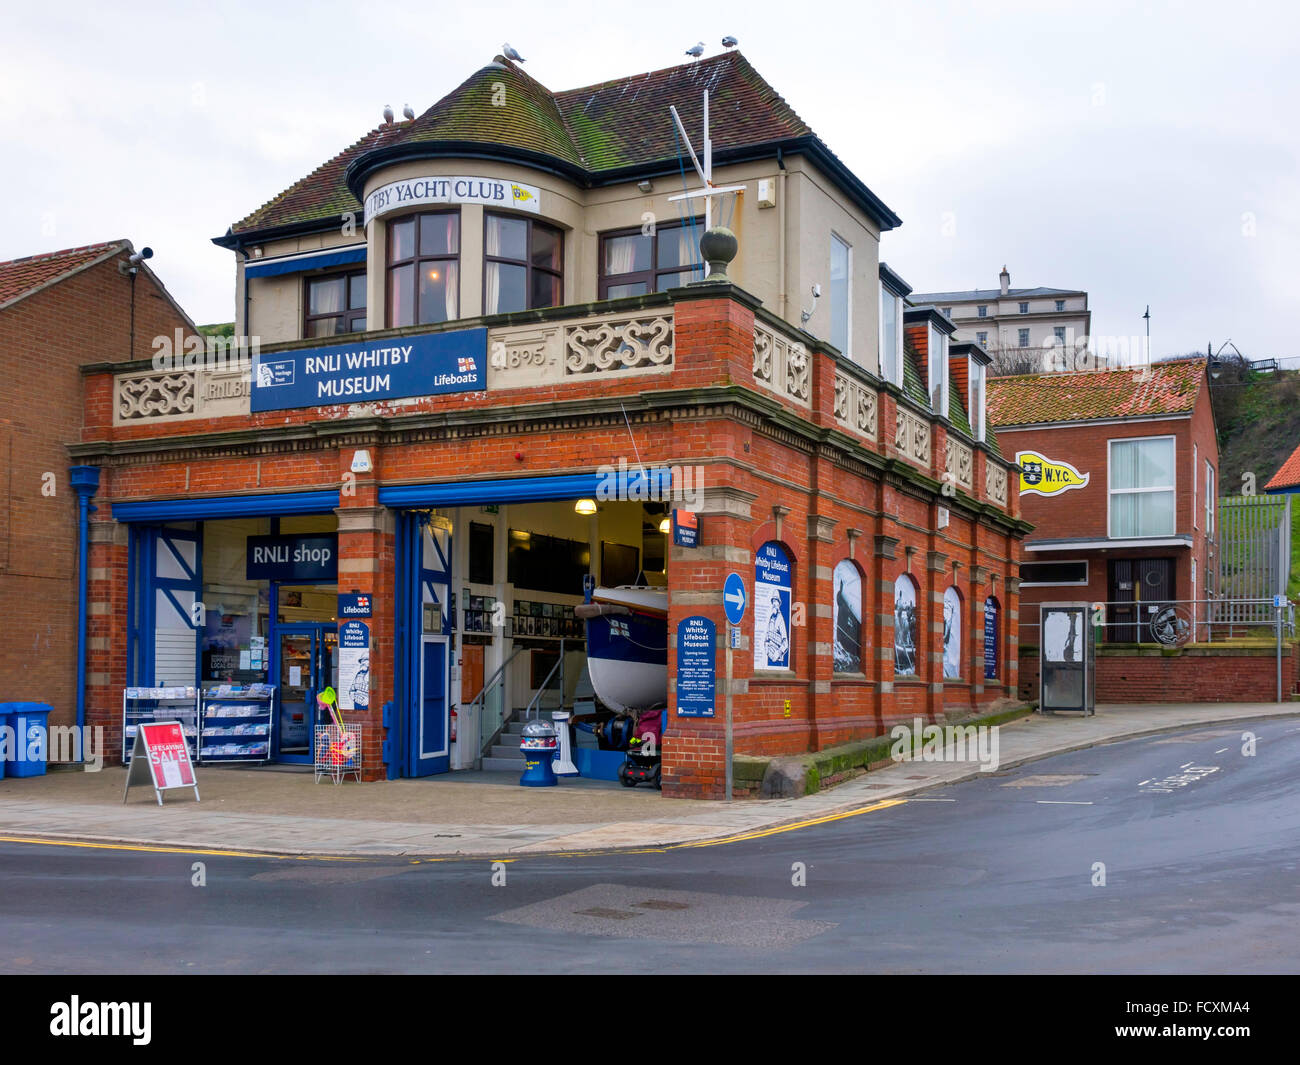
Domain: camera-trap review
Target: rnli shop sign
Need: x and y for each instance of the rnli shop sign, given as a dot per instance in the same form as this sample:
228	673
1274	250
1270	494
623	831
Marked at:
309	558
371	371
414	192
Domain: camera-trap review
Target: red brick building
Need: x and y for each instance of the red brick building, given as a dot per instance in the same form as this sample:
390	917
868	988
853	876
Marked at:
1119	475
58	311
469	323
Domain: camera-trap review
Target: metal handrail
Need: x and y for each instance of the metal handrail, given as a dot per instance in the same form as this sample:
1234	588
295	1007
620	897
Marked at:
480	700
535	701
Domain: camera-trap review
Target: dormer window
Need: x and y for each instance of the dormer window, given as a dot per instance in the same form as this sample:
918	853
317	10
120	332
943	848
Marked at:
335	304
937	367
975	401
891	336
424	269
523	265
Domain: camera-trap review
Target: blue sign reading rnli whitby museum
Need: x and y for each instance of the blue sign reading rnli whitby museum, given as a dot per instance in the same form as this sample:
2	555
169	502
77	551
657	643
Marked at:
309	558
696	639
371	370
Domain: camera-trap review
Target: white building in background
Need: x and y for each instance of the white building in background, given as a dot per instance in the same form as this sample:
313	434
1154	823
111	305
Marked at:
1005	318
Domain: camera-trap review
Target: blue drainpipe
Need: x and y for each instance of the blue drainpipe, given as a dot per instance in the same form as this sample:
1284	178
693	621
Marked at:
85	482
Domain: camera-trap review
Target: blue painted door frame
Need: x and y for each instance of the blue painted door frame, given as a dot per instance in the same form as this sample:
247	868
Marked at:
418	737
146	545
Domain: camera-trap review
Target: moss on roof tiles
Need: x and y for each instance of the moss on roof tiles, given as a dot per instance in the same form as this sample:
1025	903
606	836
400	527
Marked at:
1146	391
609	126
913	386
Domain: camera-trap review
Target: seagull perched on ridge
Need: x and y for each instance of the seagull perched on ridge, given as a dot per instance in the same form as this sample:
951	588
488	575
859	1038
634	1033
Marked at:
408	112
388	114
510	53
729	41
696	51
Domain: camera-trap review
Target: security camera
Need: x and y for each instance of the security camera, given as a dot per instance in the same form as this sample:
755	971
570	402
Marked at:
805	315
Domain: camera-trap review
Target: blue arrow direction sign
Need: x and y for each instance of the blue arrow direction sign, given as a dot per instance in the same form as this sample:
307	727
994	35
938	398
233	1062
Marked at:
734	598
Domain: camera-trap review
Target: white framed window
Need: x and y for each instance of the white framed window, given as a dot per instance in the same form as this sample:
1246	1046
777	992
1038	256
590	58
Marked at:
1068	573
975	401
1196	468
1024	338
1141	476
841	271
891	336
1060	305
983	310
1024	308
937	370
947	311
982	338
1210	499
1058	333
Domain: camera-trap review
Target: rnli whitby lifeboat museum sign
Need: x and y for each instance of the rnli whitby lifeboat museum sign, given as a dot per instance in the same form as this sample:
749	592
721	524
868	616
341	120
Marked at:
367	371
491	192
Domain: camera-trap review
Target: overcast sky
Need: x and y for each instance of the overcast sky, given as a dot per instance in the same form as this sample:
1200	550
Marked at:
1146	155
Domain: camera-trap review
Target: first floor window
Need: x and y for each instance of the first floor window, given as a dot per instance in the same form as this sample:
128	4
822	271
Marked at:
636	263
523	265
1024	338
1210	500
335	304
839	294
1048	573
424	269
847	613
1141	476
982	338
1058	331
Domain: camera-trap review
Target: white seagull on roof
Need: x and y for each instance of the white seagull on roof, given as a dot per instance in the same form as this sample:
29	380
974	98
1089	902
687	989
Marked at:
388	113
510	53
697	50
408	112
729	41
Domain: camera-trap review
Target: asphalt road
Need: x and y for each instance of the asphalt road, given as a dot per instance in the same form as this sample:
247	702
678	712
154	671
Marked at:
1200	845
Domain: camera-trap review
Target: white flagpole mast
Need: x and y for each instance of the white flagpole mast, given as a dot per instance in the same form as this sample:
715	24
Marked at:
708	166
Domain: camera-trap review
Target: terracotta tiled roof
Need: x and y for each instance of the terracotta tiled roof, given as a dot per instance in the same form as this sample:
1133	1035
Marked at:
1288	476
1161	388
19	277
593	130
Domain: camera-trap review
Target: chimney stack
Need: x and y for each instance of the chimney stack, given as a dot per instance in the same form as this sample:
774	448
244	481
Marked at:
1005	279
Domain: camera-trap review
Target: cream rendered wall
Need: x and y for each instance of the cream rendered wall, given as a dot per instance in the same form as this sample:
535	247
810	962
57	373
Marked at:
276	303
809	208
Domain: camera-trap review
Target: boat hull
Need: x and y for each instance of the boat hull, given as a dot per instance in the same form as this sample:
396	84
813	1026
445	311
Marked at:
627	649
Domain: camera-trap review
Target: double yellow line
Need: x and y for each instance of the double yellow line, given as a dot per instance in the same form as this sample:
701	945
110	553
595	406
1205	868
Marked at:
739	837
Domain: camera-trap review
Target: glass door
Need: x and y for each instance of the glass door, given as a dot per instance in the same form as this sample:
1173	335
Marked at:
297	702
308	663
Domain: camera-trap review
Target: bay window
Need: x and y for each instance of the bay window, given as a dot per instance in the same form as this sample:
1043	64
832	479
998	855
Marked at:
523	264
1141	476
424	269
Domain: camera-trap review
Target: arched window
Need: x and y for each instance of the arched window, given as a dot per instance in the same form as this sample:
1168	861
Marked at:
952	647
992	638
847	612
773	580
905	627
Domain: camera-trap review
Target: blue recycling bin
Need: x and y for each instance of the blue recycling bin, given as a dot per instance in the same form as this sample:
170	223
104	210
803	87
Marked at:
30	735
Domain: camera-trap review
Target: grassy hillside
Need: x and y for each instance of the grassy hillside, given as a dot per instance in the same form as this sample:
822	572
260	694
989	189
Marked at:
1258	418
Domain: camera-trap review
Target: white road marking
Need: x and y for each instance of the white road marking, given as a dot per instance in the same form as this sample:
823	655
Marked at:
1190	773
1060	802
1221	750
932	800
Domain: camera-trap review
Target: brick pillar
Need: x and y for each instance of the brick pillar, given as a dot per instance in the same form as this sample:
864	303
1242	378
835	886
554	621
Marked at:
881	568
366	566
106	636
933	581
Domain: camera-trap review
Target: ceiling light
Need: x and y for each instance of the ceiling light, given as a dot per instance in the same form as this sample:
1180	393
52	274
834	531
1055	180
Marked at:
585	506
666	526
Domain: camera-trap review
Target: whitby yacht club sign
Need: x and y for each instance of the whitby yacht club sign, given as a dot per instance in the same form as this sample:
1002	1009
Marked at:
370	371
491	192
